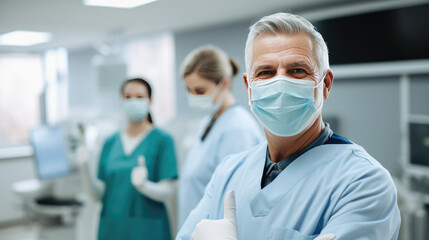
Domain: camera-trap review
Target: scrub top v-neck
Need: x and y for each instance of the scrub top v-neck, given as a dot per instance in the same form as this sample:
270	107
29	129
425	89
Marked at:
126	213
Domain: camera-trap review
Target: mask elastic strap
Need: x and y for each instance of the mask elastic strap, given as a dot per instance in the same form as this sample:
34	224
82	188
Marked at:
322	80
216	90
248	93
218	87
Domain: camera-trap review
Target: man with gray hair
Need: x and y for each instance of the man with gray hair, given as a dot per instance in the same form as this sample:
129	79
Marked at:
305	182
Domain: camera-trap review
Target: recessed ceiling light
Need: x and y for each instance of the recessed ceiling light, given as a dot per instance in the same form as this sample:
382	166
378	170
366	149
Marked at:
117	3
24	38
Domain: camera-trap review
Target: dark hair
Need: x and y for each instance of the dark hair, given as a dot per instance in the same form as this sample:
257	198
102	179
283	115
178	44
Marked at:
141	81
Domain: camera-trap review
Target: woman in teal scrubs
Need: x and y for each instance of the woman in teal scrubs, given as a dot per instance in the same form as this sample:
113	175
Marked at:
127	213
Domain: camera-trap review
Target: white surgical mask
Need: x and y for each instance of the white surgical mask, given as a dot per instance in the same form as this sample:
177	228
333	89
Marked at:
136	108
285	106
204	103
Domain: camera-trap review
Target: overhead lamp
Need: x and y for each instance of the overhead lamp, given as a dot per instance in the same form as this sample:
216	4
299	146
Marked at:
24	38
117	3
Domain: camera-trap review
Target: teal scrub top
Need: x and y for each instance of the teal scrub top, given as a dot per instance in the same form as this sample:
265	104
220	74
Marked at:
126	213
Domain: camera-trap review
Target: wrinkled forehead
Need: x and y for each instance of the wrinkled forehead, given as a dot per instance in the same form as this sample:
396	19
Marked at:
269	46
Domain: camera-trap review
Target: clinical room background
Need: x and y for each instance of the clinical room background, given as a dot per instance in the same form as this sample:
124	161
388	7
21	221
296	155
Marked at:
380	103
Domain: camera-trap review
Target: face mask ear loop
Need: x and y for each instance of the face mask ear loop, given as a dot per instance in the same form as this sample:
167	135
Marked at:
248	93
322	80
216	91
321	100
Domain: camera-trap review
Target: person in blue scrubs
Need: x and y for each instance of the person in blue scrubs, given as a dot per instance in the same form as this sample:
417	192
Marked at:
228	128
129	209
306	182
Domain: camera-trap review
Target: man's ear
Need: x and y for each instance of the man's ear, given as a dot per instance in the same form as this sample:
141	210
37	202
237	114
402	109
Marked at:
245	81
328	81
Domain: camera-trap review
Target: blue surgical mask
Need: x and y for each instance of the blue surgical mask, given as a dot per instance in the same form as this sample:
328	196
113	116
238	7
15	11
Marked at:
204	103
136	108
285	106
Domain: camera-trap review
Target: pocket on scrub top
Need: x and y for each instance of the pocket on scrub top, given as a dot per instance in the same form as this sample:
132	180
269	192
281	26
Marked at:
277	233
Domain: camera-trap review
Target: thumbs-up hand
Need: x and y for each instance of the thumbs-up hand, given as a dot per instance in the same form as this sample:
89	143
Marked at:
223	229
139	174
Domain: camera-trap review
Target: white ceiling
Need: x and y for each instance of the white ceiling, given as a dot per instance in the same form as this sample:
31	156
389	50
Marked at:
74	25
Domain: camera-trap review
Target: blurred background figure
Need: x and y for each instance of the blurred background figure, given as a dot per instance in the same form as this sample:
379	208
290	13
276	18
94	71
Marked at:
137	168
55	74
228	128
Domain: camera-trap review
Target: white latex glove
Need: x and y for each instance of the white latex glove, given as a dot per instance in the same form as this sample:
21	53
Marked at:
329	236
223	229
139	174
82	155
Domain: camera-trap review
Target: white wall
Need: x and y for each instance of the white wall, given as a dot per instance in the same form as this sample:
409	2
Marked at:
368	114
81	84
419	97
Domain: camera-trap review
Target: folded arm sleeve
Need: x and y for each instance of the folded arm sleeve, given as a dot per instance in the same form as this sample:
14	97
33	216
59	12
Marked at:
202	211
366	209
236	141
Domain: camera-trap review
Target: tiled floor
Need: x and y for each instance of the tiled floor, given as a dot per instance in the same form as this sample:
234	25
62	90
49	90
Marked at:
34	232
83	227
17	232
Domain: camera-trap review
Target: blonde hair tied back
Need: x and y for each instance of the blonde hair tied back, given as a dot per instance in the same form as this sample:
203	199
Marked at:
209	62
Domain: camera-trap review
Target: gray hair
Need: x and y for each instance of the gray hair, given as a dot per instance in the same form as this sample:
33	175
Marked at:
287	23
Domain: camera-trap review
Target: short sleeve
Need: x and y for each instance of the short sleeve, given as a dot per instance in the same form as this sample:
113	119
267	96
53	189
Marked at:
202	210
167	160
101	174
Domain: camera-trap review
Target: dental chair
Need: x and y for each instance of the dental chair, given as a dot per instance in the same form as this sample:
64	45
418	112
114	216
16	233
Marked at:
50	201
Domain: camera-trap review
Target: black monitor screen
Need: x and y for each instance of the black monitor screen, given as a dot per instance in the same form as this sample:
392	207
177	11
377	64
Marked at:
49	152
419	143
389	35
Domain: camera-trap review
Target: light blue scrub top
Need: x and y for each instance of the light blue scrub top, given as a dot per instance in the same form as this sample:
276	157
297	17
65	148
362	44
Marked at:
332	188
236	130
270	166
126	213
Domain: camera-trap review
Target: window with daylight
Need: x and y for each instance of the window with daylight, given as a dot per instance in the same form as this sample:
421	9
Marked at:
21	86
